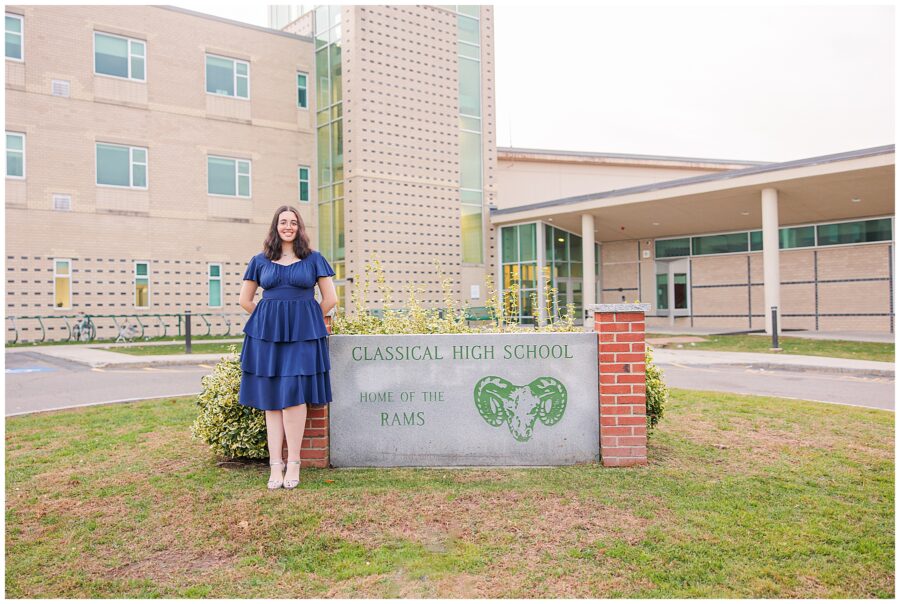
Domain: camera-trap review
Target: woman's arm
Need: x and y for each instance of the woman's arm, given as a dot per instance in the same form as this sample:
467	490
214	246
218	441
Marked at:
329	298
248	291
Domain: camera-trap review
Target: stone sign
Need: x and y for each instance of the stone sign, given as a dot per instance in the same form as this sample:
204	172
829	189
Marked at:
464	400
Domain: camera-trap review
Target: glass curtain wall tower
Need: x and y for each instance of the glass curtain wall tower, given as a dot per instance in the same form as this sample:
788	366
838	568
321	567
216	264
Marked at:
406	159
330	141
471	177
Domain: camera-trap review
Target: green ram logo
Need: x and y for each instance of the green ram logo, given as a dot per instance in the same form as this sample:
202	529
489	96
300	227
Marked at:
500	401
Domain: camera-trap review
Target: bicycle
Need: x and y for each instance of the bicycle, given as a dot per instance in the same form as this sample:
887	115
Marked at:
84	330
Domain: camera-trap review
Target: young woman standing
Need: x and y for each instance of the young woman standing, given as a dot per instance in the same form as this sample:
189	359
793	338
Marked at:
285	356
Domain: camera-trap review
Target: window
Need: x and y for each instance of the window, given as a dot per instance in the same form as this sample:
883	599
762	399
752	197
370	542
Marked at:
215	285
672	248
797	237
755	241
469	87
563	254
470	160
303	180
468	29
719	244
863	231
14	33
119	57
519	268
227	77
15	155
662	291
788	237
142	284
62	283
228	176
472	240
121	166
301	90
672	290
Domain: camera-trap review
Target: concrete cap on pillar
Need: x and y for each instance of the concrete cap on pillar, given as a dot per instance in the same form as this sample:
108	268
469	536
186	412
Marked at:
635	307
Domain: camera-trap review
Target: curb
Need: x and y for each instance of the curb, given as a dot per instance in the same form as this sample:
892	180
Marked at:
139	362
193	360
884	373
80	405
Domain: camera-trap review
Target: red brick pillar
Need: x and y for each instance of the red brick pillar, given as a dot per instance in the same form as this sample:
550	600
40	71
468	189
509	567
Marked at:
623	383
314	448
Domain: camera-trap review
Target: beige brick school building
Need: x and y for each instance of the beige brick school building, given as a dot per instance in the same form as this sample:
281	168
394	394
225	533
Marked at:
147	148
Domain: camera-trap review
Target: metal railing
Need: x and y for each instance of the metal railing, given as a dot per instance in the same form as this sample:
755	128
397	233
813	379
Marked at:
117	327
126	327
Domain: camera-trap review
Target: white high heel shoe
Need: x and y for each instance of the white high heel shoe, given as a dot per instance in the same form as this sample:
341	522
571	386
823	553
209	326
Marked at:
275	483
290	484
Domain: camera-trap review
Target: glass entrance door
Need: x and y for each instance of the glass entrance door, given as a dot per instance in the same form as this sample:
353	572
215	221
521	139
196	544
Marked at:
672	288
569	291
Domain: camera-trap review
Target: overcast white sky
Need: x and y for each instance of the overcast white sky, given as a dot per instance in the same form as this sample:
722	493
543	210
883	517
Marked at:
758	83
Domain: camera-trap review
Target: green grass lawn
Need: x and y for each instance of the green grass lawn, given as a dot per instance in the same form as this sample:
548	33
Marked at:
196	348
870	351
743	497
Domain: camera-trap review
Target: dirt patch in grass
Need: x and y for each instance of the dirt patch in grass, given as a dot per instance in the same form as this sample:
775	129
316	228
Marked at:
401	584
433	520
761	440
532	529
162	566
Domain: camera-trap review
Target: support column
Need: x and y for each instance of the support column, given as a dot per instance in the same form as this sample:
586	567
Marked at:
771	267
670	291
589	280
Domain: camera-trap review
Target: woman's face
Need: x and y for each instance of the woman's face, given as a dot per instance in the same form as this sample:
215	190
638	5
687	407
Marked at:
288	226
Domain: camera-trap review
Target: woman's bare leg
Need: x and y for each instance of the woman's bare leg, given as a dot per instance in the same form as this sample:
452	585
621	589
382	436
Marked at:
274	437
294	425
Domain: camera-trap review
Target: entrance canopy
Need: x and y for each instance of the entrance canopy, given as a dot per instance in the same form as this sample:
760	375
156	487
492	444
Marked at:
842	186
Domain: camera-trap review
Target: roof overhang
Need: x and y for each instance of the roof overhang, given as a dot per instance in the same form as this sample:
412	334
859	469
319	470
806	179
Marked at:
813	190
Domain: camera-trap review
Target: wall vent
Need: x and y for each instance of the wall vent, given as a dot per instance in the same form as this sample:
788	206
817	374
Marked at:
62	202
59	88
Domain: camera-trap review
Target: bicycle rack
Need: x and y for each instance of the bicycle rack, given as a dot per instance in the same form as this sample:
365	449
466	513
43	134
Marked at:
138	319
85	328
15	330
208	324
116	324
68	328
163	325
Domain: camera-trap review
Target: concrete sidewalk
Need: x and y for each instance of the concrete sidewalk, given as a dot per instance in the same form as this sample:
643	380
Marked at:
96	357
847	336
784	362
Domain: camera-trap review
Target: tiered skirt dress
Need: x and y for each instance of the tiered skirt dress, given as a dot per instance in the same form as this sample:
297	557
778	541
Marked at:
285	356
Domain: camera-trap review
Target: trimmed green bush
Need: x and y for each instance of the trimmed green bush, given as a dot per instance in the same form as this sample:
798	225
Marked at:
657	392
228	427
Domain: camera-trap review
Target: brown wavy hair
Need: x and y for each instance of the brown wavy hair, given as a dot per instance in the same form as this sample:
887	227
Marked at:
272	244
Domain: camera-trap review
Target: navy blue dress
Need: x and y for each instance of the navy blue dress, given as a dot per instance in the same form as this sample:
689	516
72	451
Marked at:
285	356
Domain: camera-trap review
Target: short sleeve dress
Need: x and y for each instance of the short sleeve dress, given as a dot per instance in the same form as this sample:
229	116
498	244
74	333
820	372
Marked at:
285	356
